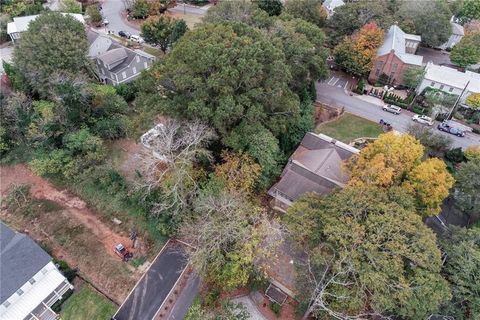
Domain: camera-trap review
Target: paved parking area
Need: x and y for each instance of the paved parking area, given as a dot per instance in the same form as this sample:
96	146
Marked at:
337	82
147	297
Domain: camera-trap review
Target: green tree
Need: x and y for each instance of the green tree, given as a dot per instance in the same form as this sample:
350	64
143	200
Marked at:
412	76
55	46
466	194
462	270
272	7
473	100
140	9
71	6
4	20
430	19
15	8
158	31
179	29
308	10
470	10
367	257
467	51
94	14
238	11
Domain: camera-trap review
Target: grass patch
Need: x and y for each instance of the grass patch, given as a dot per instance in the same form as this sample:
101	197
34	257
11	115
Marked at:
190	19
153	51
88	304
349	127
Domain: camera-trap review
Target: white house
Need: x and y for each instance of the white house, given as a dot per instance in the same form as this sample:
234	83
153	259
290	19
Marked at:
450	80
20	24
29	281
330	6
457	35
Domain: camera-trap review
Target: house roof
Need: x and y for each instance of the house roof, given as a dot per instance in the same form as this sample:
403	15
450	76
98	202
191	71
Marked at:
113	56
20	259
453	77
316	166
457	29
332	4
395	40
20	24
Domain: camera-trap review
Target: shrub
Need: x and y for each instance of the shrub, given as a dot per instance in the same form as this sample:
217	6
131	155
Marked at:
68	272
276	308
455	155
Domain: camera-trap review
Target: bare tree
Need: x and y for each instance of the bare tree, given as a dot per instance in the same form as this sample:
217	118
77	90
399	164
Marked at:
167	164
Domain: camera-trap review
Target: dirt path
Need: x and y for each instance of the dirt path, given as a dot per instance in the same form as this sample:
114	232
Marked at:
77	208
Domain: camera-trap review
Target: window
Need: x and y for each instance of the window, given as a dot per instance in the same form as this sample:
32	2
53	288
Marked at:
145	65
19	292
441	87
103	71
377	72
395	66
6	304
432	84
134	70
44	271
138	58
32	281
450	90
124	74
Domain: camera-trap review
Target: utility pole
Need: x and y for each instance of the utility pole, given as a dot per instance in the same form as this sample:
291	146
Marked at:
450	114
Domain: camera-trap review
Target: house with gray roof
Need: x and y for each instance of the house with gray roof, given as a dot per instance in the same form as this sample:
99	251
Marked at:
115	63
30	283
316	166
331	5
20	24
457	35
395	55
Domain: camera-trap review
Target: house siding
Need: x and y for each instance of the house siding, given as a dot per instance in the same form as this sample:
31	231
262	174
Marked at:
117	78
386	64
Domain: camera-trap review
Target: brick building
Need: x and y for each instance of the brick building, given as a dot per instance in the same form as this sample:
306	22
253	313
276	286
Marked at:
396	54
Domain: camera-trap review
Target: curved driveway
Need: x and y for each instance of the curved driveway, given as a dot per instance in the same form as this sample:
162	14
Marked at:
112	11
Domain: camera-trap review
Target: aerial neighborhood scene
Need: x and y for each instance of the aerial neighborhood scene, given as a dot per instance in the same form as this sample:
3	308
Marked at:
240	159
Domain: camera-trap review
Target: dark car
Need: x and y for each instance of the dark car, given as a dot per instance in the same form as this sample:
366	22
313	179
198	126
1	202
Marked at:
124	34
452	130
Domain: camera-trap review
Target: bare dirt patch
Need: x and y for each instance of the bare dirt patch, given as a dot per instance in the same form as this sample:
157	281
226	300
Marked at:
73	232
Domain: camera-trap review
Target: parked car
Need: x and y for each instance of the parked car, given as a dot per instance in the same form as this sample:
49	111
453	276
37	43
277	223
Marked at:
422	119
136	38
391	108
124	34
122	252
449	129
105	22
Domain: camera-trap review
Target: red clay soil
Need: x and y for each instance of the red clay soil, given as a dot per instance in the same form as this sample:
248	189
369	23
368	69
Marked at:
42	189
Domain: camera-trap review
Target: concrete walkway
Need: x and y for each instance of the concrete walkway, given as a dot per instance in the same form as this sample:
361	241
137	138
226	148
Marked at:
251	308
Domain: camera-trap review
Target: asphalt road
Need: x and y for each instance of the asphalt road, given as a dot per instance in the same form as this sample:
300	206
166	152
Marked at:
112	11
153	288
336	97
185	299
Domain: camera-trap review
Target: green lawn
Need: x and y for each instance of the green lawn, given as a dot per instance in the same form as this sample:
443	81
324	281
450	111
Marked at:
87	304
349	127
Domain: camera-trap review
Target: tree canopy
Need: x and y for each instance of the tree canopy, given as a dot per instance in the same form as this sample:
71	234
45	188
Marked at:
467	51
367	256
55	46
163	31
308	10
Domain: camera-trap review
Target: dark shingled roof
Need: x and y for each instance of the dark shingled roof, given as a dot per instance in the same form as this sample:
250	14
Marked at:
20	259
316	166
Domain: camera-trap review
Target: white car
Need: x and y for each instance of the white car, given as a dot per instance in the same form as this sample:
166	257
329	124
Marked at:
422	119
391	108
136	38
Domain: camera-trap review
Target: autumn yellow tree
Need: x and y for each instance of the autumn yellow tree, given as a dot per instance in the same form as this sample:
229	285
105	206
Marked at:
473	100
472	153
387	161
238	172
429	182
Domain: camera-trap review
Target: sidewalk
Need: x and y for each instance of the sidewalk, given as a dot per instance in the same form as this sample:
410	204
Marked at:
370	99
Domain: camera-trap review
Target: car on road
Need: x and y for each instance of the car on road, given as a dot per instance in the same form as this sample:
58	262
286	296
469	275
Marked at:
136	38
105	22
452	130
124	34
391	108
422	119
